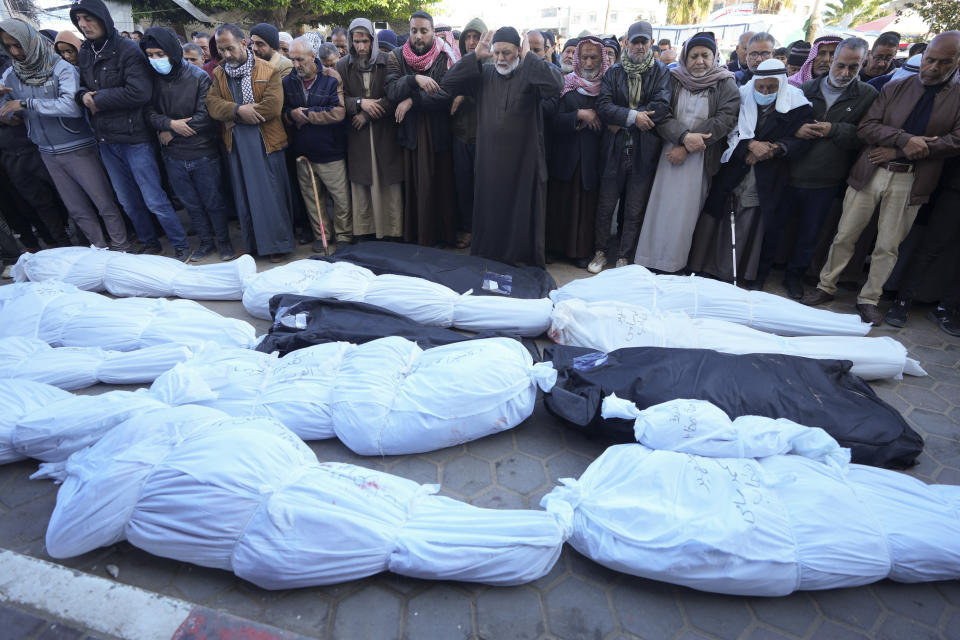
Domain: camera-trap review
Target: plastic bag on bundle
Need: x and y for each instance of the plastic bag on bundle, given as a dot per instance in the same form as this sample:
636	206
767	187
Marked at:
53	432
391	397
706	298
341	280
244	494
129	275
83	267
21	398
73	368
295	390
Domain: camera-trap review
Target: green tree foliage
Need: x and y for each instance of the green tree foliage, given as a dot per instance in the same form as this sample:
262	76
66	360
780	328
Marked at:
771	6
853	12
941	15
687	11
286	14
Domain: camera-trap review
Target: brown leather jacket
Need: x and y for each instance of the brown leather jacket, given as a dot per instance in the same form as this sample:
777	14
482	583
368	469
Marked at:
267	93
881	127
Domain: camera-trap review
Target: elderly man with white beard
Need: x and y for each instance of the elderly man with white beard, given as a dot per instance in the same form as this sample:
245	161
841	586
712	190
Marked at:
511	172
818	176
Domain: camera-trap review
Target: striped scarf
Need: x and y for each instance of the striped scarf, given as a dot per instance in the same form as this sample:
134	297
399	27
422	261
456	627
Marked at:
242	75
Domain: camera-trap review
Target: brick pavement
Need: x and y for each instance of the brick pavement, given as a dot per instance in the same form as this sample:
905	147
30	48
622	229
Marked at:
578	599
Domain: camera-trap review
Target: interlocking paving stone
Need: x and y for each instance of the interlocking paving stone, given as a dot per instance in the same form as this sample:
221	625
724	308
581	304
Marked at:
899	628
498	498
920	602
440	613
509	613
60	632
493	447
794	613
576	609
952	628
567	465
467	475
302	611
857	607
199	584
645	608
832	631
237	603
762	633
520	472
722	616
922	398
933	422
417	469
943	450
21	490
372	612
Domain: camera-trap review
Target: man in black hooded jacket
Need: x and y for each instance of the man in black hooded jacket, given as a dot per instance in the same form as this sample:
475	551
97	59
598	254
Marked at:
115	86
189	138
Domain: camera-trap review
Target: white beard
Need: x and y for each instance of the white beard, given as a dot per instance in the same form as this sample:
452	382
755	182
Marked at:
837	83
511	69
566	68
591	76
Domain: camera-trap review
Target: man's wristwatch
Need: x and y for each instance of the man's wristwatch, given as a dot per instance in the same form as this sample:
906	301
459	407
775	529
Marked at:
359	102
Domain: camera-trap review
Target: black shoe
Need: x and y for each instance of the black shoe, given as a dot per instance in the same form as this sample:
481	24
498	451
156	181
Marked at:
205	249
870	313
754	285
794	286
815	297
897	313
183	255
951	324
938	315
152	249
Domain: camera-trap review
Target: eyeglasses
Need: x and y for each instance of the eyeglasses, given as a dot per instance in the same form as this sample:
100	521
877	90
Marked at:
753	55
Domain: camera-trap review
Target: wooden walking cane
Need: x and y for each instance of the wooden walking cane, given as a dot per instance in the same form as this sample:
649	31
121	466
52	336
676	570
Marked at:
316	199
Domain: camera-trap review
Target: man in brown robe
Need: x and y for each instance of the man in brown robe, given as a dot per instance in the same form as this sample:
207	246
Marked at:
374	157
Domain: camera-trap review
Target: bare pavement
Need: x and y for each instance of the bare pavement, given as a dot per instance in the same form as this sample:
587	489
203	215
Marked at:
152	597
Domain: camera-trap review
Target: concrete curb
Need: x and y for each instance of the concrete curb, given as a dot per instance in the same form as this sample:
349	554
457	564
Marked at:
116	609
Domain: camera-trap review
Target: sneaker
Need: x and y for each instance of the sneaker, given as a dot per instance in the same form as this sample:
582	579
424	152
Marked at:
815	297
7	275
205	249
951	324
621	262
897	313
598	263
794	286
153	249
938	315
317	246
183	255
870	313
227	253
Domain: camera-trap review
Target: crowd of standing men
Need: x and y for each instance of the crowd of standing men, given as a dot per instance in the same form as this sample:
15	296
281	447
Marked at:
602	151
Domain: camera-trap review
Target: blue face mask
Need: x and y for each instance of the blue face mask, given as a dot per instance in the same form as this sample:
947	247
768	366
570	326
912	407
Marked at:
162	65
763	99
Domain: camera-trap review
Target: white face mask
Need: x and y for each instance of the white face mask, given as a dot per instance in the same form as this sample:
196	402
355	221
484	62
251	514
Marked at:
508	70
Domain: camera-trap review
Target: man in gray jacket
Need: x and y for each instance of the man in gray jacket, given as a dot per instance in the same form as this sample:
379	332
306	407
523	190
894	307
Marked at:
41	87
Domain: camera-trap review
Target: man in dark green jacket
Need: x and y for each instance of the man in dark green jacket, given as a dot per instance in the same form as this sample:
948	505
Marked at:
819	176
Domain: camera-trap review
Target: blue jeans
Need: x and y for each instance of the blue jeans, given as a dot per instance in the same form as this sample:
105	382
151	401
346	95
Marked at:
199	186
135	177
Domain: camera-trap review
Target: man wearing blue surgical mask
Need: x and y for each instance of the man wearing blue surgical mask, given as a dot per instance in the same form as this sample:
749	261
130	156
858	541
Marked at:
752	178
188	139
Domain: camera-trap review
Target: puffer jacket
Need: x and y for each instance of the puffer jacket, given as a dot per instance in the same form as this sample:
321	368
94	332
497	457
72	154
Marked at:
120	75
54	121
182	93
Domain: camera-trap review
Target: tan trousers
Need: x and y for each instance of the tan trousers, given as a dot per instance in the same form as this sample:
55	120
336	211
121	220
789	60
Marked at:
331	178
892	191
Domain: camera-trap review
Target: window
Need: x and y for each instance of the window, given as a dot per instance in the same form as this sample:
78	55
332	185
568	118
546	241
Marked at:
592	19
549	13
577	18
613	16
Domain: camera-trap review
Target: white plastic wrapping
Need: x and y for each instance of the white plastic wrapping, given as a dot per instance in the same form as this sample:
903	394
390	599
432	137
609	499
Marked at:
246	495
78	367
127	275
20	398
705	298
609	325
766	526
424	301
63	316
385	397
